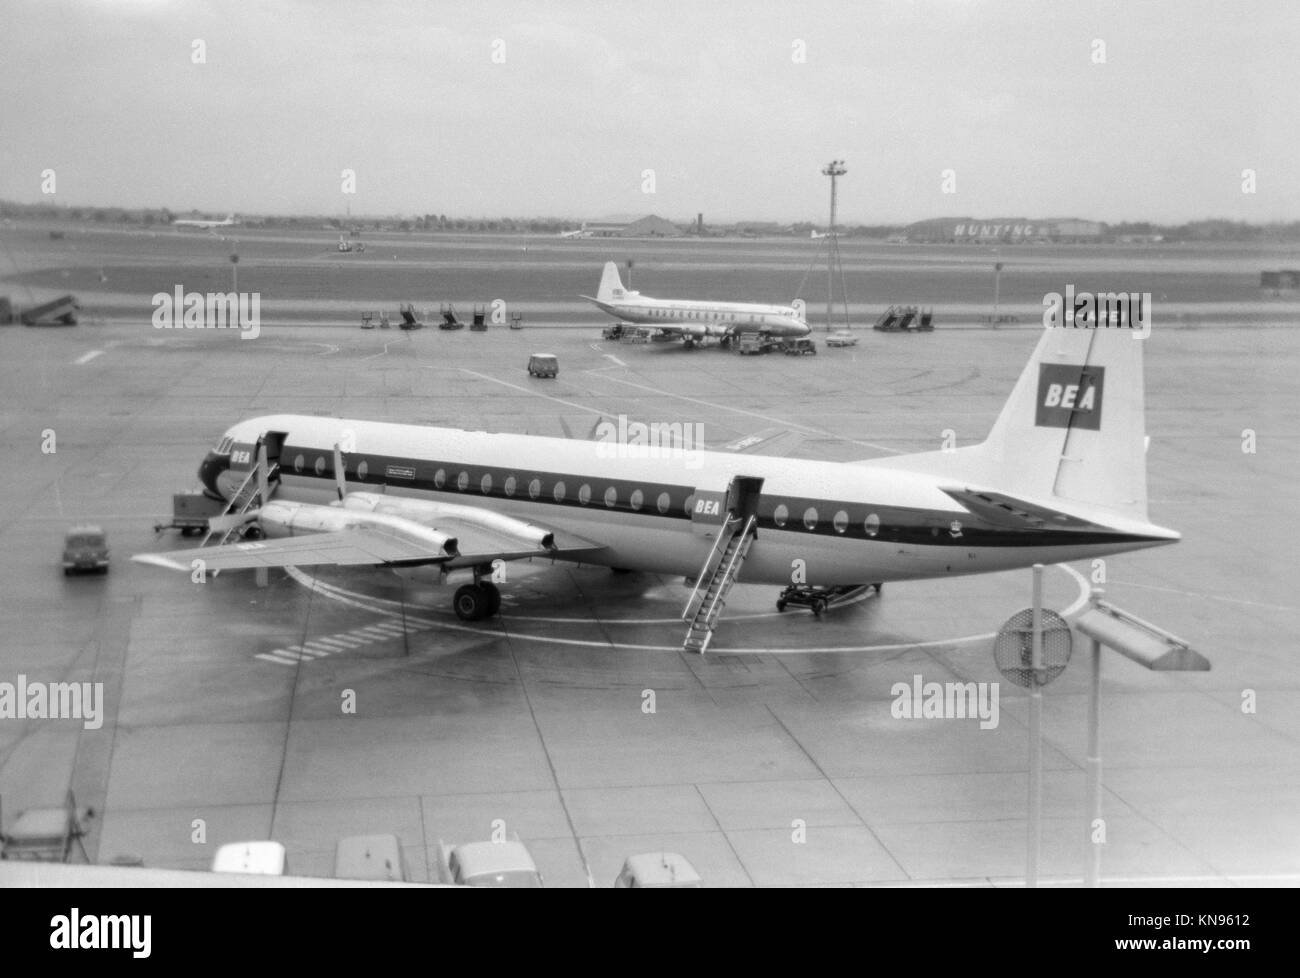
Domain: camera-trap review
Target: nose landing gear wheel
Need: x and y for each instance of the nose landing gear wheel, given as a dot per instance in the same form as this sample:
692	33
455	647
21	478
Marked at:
474	602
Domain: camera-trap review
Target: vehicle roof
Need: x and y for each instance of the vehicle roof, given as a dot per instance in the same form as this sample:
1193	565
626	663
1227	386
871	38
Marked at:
262	856
86	528
543	356
478	858
661	867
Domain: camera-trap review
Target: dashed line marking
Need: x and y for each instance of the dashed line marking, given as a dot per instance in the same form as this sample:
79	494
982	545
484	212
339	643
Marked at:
87	357
272	657
326	645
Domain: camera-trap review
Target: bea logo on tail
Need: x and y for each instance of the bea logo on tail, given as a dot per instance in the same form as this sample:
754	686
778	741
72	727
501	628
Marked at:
1069	396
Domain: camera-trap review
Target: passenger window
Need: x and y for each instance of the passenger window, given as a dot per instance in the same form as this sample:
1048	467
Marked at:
611	497
810	517
534	488
584	494
872	525
781	514
559	492
664	502
841	521
638	497
462	481
440	478
510	485
486	483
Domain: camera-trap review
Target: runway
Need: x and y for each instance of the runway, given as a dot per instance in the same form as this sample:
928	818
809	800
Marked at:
574	719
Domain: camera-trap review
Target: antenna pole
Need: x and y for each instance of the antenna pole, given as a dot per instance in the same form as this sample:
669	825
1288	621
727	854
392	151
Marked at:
834	169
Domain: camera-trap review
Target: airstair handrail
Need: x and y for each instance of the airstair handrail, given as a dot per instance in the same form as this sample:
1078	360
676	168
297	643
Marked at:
719	544
731	564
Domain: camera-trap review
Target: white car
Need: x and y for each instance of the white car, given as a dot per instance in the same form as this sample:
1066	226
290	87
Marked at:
492	864
658	870
841	337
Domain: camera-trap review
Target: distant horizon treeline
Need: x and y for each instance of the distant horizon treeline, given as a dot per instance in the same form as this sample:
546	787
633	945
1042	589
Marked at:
1209	229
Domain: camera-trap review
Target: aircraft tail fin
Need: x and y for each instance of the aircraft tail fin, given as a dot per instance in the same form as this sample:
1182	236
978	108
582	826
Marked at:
1075	424
1073	429
611	285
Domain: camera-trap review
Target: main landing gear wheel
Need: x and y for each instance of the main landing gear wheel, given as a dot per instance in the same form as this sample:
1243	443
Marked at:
474	602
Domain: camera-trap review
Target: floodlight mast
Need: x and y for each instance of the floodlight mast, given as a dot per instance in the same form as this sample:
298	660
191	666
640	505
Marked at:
834	169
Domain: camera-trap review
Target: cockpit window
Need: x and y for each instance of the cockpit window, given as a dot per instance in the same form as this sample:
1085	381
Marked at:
225	445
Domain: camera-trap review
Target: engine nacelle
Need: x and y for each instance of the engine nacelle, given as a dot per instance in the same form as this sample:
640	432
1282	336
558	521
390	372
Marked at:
288	519
428	512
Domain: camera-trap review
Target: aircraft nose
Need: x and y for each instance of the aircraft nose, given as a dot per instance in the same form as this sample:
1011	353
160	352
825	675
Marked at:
209	469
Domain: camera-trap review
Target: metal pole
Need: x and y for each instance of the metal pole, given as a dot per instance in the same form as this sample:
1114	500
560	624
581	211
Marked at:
830	250
1092	862
1034	842
834	169
997	289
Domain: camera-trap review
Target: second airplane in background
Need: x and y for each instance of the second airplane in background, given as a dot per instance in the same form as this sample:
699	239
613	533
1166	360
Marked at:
695	319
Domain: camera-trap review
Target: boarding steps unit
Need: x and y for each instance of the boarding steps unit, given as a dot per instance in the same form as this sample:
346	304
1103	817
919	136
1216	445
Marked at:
715	580
247	496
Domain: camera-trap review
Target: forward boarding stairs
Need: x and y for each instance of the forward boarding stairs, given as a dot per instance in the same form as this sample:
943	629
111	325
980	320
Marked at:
256	489
716	579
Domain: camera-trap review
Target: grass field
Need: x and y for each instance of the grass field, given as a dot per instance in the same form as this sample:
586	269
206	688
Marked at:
114	272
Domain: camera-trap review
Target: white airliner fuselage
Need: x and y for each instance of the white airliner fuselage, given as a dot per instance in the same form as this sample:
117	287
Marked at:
195	223
648	514
694	318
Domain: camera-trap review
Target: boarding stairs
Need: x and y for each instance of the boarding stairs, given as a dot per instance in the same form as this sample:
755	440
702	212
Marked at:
222	529
715	581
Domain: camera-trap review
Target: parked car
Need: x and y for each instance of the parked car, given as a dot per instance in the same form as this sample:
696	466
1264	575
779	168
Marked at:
842	337
660	870
262	858
369	857
490	864
543	365
85	548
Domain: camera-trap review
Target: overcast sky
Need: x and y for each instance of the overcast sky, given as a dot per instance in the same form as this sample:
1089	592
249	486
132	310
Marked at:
557	109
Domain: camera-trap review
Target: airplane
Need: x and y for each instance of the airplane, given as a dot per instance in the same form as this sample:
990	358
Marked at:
691	319
192	223
1060	477
581	232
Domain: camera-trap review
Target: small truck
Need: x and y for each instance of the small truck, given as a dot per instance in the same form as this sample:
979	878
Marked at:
191	512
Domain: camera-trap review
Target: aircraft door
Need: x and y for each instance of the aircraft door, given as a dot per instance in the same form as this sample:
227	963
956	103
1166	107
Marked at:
274	442
711	507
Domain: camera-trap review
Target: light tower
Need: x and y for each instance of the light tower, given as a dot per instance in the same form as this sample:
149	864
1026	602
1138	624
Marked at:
834	169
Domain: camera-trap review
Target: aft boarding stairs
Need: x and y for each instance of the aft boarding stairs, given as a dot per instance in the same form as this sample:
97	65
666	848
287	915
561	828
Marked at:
715	581
222	529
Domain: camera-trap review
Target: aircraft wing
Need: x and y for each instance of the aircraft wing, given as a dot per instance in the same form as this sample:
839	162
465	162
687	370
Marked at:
371	546
357	547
